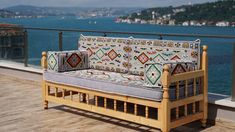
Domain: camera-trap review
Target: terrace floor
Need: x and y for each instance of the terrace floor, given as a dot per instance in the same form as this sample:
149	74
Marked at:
21	110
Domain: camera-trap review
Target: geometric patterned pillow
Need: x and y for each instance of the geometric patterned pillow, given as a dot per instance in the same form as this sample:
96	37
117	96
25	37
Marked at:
152	74
62	61
153	71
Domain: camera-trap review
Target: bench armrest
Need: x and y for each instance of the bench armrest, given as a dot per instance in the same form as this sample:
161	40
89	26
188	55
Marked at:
62	61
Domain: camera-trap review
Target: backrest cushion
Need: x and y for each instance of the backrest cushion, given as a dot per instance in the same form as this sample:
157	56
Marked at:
131	54
145	51
61	61
106	53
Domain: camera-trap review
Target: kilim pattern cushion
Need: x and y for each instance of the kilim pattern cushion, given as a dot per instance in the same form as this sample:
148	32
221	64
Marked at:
153	72
145	51
106	53
52	60
152	76
67	60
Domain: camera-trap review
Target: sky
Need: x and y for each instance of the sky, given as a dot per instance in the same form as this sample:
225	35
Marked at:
100	3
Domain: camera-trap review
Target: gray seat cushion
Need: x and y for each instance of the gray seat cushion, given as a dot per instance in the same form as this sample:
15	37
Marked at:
109	82
112	82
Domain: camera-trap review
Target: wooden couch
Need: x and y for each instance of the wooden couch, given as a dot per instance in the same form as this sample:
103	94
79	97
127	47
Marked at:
180	98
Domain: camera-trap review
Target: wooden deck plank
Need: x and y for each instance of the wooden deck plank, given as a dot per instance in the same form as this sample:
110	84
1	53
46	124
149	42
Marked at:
21	110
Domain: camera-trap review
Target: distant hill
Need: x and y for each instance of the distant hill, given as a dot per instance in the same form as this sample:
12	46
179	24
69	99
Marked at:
5	13
33	10
223	10
21	8
69	11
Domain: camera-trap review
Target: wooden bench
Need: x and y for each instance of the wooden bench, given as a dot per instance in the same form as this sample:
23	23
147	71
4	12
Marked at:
182	97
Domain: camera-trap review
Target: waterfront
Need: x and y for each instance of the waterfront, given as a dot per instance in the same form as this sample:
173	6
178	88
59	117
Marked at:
220	50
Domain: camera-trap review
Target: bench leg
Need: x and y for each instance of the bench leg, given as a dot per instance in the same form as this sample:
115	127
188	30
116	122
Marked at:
203	123
165	130
44	94
45	104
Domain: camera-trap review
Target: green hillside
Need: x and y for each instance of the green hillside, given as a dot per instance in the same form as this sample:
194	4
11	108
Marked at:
214	11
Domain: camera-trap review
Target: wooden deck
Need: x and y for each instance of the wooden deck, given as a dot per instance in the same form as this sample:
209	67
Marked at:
21	110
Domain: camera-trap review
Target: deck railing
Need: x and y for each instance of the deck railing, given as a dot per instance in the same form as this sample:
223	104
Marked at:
159	35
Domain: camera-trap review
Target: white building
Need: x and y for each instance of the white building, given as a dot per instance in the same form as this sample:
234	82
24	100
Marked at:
171	22
193	23
198	24
203	23
164	16
137	20
178	10
153	15
159	21
222	24
152	22
143	22
129	21
186	23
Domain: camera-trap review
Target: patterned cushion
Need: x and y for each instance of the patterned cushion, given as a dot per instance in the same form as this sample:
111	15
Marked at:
153	72
61	61
131	54
152	76
145	51
106	53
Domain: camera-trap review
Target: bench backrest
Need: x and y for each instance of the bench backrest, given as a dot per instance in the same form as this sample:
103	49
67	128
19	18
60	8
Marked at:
131	54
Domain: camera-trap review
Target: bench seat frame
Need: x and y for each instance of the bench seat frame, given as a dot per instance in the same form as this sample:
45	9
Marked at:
98	102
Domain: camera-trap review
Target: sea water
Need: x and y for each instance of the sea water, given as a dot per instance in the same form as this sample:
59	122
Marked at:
219	50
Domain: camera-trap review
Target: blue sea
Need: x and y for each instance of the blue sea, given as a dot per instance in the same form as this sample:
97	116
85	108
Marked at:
220	50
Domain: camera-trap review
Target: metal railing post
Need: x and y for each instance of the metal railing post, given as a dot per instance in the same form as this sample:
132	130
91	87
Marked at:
25	48
60	41
233	76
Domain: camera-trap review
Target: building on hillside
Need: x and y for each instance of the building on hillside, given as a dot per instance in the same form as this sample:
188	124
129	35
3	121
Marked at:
159	21
153	15
222	24
232	24
11	42
137	20
172	22
143	22
193	23
186	23
152	21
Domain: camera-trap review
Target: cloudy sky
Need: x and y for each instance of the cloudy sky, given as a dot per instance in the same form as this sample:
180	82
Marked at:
99	3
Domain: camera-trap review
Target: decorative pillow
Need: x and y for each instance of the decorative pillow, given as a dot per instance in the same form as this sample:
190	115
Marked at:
61	61
152	75
153	72
144	51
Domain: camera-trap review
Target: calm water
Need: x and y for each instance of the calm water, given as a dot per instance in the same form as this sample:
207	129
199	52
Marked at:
220	50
